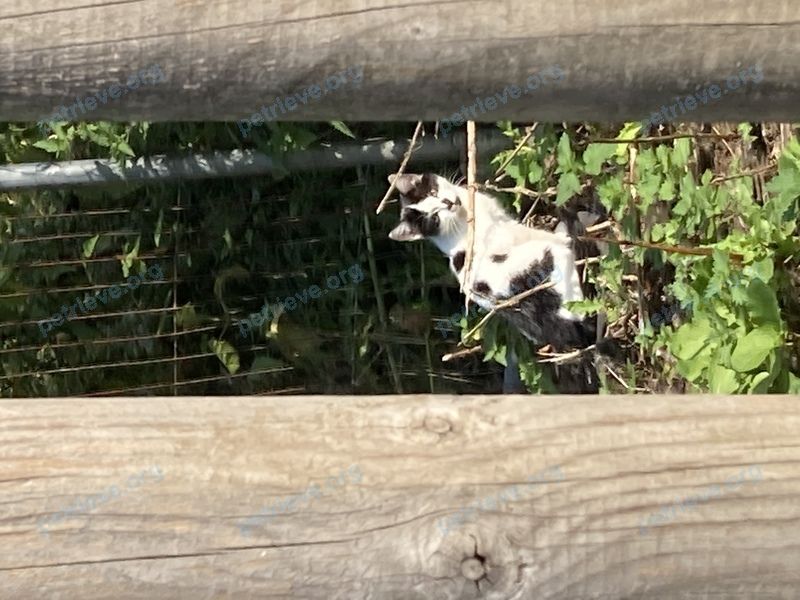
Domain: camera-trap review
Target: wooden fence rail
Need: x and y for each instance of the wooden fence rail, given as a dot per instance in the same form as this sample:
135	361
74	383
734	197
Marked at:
418	60
408	497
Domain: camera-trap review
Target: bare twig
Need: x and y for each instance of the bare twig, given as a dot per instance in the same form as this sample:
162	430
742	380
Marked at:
513	301
498	175
566	357
599	227
402	168
661	138
466	283
754	172
549	192
735	256
462	353
518	190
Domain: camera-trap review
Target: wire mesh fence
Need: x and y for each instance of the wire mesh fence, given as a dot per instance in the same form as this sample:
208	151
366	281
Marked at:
143	289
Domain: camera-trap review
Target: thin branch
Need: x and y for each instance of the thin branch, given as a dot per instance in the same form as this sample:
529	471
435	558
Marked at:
513	301
466	283
402	168
549	192
516	190
753	173
661	138
558	359
498	174
462	353
599	227
663	247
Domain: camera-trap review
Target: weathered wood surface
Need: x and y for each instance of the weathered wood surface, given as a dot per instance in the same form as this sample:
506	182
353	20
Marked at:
421	60
203	465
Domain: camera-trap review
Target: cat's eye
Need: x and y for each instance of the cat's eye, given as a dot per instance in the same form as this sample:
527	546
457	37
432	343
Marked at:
447	203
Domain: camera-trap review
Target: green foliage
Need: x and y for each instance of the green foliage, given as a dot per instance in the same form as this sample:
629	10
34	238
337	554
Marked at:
233	244
735	335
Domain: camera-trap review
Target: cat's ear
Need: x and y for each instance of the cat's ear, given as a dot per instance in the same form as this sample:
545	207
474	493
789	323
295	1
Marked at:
405	232
405	183
413	187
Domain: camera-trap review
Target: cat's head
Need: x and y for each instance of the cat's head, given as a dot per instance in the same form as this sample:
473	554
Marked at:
431	207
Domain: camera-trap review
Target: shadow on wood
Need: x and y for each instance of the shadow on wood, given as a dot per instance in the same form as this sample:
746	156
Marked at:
421	60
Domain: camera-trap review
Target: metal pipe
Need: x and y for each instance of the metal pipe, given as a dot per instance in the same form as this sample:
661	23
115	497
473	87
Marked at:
236	163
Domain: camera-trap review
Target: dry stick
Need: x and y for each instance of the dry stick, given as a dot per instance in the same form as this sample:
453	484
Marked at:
498	173
558	359
466	285
549	192
633	151
727	145
599	227
665	247
462	353
401	170
513	301
661	138
753	173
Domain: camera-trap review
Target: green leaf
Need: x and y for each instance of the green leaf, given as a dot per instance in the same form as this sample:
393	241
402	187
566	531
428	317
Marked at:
263	362
49	145
564	154
585	307
227	355
628	132
690	338
159	225
757	380
595	155
568	186
667	189
763	269
680	156
186	317
535	172
722	380
340	126
123	147
754	348
88	246
763	305
500	355
130	257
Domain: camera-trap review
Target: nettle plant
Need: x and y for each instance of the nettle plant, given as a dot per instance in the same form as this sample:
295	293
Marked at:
723	321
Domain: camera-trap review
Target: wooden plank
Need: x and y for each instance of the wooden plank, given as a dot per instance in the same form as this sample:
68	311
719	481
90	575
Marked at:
420	60
535	497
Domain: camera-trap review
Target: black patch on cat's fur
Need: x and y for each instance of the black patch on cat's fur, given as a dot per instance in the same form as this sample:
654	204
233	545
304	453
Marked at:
458	261
537	315
537	318
536	273
427	225
482	288
499	258
426	187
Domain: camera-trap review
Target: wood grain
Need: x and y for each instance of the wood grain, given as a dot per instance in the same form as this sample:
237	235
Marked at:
453	498
422	60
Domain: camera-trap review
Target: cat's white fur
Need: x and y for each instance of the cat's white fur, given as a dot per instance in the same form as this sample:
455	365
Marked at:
496	233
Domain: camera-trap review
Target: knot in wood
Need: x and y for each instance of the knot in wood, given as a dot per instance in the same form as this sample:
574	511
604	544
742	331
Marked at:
438	425
472	568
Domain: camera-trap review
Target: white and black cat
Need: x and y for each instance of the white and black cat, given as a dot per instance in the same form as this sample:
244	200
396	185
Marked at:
509	258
